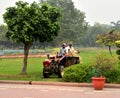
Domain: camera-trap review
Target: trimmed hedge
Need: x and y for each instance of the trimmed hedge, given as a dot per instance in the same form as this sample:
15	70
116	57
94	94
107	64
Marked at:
76	73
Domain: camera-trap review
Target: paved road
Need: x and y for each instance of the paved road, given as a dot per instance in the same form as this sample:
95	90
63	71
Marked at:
44	91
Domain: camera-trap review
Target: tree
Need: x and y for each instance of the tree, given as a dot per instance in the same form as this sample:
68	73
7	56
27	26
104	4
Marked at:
3	39
28	23
116	25
108	39
3	29
89	38
72	22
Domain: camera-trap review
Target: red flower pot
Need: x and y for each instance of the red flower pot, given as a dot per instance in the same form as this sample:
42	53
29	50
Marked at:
98	82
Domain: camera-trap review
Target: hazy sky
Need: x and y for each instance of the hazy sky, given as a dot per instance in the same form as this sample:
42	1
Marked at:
102	11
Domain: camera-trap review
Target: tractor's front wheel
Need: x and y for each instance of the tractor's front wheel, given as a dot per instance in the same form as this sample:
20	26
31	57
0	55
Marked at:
45	75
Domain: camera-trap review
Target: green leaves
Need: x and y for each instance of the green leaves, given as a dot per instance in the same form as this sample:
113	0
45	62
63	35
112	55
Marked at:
31	22
108	39
72	22
104	63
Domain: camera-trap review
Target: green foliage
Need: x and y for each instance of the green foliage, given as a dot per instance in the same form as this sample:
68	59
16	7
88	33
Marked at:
108	39
117	43
103	63
112	76
72	22
3	29
116	25
27	23
76	73
118	51
118	57
89	38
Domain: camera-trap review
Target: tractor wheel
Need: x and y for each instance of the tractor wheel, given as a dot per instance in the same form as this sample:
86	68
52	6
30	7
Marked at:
45	75
60	71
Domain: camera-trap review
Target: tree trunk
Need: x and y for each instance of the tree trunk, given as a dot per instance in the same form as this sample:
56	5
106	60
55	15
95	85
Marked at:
110	50
26	52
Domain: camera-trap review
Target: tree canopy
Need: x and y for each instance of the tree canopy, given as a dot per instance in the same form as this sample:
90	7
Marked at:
27	23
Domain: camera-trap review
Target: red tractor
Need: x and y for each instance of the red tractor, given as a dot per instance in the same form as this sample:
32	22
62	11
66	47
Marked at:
56	65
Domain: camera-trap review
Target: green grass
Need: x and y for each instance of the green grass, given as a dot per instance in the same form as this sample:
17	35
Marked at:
10	69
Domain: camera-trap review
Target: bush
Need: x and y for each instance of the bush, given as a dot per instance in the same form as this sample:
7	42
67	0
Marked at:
112	76
103	63
118	51
76	73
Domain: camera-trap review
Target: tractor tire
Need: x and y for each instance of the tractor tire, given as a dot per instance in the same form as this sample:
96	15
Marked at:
60	71
45	75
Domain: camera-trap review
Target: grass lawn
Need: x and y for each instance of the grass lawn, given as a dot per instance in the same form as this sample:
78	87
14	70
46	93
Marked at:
10	69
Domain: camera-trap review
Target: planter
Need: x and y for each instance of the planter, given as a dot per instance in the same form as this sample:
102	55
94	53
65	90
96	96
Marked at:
98	82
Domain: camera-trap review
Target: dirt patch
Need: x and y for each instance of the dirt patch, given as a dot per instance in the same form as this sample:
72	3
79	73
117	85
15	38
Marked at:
21	56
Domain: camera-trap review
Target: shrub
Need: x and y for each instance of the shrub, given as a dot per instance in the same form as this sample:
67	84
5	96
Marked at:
118	51
76	73
112	76
103	63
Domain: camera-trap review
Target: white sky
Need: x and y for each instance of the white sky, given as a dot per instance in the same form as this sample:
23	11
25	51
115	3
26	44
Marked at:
102	11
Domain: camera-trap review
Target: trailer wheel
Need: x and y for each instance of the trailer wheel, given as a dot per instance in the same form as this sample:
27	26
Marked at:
77	61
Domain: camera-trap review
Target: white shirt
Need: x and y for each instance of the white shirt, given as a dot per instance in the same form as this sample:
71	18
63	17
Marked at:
63	51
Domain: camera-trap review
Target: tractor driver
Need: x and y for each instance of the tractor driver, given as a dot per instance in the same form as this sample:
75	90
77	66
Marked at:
62	54
63	50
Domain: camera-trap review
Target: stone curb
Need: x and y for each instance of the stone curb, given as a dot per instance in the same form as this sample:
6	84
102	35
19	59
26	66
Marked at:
62	84
112	85
57	83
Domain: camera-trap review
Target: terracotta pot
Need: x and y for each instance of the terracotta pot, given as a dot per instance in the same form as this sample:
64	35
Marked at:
98	82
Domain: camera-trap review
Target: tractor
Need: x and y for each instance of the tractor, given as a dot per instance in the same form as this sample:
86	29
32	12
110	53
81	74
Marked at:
56	65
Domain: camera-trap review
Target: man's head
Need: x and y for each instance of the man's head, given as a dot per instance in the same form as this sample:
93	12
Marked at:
70	44
64	45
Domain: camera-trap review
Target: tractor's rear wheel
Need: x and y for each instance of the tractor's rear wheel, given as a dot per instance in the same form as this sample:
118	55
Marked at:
60	71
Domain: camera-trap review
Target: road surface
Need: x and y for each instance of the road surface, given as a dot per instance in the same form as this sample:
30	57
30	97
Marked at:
46	91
